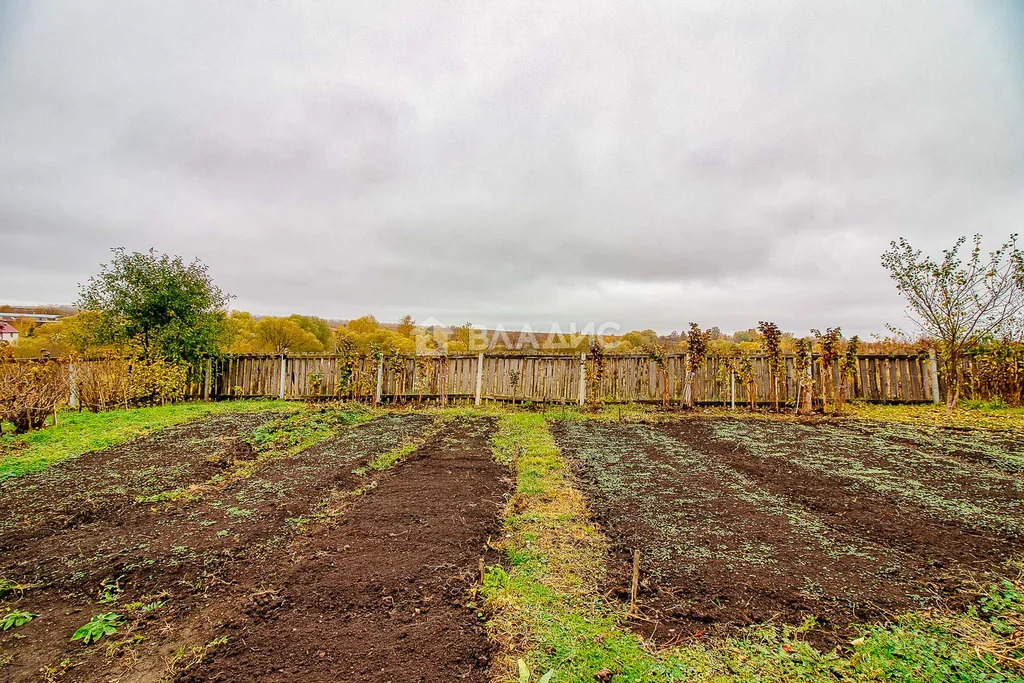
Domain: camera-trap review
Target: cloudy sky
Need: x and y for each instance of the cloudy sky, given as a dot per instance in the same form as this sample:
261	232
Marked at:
507	162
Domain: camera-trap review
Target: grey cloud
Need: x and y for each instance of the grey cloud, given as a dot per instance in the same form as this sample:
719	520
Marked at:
511	162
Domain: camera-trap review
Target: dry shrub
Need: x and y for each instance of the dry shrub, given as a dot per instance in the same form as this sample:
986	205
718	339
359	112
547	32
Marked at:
126	381
31	390
997	374
697	350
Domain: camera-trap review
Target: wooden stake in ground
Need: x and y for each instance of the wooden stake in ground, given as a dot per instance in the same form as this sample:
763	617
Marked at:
636	581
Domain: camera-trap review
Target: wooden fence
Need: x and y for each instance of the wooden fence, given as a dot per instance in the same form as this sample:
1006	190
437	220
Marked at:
558	379
903	378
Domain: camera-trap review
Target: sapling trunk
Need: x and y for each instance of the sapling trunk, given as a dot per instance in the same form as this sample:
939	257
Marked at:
664	390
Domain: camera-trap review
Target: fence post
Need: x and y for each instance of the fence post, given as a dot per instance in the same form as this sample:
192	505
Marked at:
73	381
479	376
688	387
732	389
442	386
933	368
380	380
583	377
207	379
280	390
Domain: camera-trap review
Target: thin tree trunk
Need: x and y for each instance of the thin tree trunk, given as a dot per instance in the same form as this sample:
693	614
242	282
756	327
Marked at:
952	383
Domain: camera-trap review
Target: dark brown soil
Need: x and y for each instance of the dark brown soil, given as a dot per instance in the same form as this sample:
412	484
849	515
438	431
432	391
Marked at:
381	596
180	555
752	529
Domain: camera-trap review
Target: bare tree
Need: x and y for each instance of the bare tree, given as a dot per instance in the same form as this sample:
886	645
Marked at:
771	343
957	303
697	349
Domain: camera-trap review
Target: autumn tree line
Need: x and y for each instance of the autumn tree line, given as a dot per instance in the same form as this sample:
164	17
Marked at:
149	321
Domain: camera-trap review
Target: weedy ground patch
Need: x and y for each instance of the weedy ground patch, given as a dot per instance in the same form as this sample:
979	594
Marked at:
762	558
79	433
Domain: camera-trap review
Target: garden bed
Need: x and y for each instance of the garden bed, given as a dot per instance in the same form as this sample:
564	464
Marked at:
97	535
752	521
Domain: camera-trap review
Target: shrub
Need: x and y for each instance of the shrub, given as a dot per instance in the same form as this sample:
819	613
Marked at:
829	344
31	390
124	380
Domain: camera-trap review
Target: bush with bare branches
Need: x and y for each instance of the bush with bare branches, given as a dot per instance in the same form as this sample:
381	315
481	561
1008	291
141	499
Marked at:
125	381
30	391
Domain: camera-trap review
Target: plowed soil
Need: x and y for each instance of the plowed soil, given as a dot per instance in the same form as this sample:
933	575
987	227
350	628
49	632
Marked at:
78	535
382	595
742	522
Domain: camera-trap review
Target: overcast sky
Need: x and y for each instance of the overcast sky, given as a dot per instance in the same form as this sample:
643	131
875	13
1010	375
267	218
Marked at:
644	163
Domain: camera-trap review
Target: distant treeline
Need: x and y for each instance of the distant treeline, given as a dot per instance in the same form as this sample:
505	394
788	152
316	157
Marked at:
243	332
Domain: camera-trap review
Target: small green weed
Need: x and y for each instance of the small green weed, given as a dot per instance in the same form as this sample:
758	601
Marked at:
15	619
186	658
1002	598
99	626
525	676
110	590
144	607
182	495
52	674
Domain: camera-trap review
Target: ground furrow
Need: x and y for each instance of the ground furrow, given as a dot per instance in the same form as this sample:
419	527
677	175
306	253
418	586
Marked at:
381	595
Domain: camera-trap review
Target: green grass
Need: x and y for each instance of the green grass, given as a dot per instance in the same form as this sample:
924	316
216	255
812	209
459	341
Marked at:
388	459
548	608
78	433
295	433
966	416
545	602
